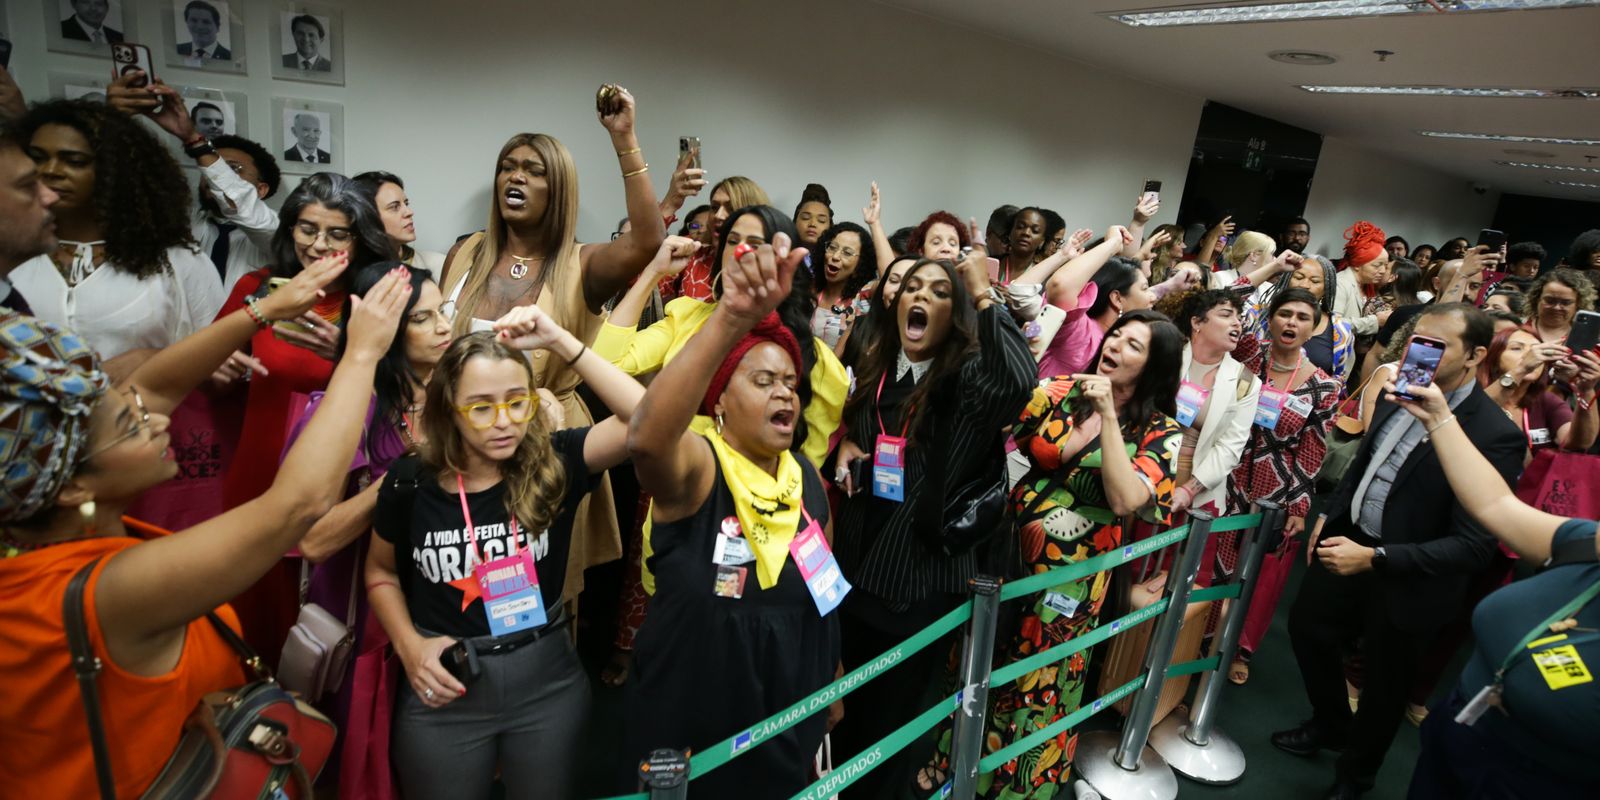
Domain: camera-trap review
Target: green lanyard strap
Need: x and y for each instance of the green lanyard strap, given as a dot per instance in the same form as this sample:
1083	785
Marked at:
1543	629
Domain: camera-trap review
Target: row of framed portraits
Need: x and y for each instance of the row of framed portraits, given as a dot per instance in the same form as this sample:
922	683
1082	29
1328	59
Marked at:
306	135
207	35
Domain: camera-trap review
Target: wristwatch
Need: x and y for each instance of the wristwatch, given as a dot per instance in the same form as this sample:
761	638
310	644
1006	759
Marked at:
200	146
1507	381
1380	559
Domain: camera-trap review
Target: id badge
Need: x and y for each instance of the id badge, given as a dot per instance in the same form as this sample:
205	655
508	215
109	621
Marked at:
1562	667
890	451
1538	437
888	468
731	551
819	568
1061	604
511	596
1191	398
1270	407
730	582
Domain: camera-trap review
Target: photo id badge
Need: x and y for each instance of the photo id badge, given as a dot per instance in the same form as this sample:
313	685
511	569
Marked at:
890	452
511	596
889	468
819	568
731	551
1191	398
1270	407
730	582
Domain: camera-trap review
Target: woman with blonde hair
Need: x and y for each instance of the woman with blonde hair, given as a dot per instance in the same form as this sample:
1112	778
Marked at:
697	279
530	246
1247	253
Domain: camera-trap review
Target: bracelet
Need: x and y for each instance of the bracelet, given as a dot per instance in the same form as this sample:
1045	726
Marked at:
1583	405
201	147
629	152
640	171
1442	423
255	313
581	351
376	584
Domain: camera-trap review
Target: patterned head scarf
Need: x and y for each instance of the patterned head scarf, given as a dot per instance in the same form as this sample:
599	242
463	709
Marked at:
49	383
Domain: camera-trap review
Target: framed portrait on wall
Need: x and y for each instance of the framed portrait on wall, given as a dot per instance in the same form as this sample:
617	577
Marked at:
205	34
216	112
310	42
75	86
89	27
308	135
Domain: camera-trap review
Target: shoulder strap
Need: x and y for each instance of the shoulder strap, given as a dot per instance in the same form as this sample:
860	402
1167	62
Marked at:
1572	551
404	476
86	665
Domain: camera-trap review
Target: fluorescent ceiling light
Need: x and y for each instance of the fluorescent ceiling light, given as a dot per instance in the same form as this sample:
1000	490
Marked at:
1457	91
1556	167
1506	137
1575	184
1323	9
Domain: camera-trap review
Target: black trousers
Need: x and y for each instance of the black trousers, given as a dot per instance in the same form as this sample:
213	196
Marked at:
1460	762
1330	614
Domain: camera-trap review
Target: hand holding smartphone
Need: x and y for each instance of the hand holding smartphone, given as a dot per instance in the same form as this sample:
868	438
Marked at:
1419	365
1152	192
689	147
1585	333
1492	239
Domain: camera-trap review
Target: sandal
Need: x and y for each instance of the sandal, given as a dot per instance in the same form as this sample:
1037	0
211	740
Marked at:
615	672
1239	671
931	778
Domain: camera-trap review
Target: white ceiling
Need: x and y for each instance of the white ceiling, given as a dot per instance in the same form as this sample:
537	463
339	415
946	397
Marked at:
1229	64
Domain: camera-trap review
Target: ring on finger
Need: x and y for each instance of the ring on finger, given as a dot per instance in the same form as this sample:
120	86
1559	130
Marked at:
427	694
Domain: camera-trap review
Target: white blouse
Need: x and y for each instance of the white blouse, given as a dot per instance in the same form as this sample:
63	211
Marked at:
115	312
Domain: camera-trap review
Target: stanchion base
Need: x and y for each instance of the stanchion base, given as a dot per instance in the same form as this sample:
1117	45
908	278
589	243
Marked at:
1096	762
1219	762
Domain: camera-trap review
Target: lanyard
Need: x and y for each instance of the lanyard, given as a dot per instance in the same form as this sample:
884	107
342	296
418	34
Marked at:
1543	628
1295	376
905	424
472	532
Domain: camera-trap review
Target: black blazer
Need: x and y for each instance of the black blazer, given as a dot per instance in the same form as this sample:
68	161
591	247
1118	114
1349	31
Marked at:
217	52
70	29
1434	546
293	154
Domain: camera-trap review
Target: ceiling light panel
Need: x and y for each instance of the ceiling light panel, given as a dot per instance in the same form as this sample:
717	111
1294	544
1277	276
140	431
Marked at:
1556	167
1323	9
1574	184
1507	137
1458	91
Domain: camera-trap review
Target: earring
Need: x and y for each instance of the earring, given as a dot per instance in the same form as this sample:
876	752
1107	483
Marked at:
86	513
719	424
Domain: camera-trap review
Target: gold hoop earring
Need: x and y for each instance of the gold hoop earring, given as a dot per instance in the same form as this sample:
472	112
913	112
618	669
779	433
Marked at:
86	513
719	424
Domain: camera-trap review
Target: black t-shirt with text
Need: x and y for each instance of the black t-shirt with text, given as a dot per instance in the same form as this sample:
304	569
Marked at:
434	547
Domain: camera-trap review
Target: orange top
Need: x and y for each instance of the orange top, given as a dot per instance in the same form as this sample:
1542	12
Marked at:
44	734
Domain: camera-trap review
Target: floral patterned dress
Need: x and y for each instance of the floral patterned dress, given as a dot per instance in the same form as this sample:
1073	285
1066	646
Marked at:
1072	523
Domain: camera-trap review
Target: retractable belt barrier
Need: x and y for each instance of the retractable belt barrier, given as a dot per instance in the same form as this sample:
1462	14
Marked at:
971	703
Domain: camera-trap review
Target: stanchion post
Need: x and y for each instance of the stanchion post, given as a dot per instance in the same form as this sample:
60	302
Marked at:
665	775
977	660
1131	770
1193	746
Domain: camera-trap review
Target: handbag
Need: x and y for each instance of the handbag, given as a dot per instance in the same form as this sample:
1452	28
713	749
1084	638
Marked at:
316	656
254	741
1344	440
1558	482
364	769
970	513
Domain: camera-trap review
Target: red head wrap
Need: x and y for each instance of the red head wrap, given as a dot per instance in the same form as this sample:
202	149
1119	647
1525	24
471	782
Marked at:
770	329
1363	242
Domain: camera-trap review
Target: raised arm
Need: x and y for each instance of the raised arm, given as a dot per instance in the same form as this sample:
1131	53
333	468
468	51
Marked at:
529	328
687	182
1064	286
873	214
1069	250
148	593
675	465
1144	210
607	267
1287	261
1207	251
670	259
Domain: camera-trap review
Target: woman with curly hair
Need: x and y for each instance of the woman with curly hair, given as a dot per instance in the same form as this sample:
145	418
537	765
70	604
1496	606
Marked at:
126	276
1554	301
845	261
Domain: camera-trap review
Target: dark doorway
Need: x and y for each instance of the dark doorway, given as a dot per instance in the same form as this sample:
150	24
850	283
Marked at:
1255	169
1551	222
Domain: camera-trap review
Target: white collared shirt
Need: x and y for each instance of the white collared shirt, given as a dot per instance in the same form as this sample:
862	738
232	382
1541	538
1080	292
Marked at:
917	368
250	244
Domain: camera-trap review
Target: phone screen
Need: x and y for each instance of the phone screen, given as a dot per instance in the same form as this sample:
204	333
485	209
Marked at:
1420	364
1585	333
1493	238
690	146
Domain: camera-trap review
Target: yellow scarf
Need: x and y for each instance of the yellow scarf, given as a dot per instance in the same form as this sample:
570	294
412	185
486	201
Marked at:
768	507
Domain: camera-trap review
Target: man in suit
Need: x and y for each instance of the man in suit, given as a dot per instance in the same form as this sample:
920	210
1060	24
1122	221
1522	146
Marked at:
87	23
204	21
308	35
307	130
1392	557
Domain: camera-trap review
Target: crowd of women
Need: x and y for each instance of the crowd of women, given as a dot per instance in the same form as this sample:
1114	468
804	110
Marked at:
835	412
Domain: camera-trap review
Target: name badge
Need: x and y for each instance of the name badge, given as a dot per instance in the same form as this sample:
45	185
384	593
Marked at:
819	568
511	596
730	582
1061	604
1539	436
1270	407
731	552
1562	667
1191	398
889	469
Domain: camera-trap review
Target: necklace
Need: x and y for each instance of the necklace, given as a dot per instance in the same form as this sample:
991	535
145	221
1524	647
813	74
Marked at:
1276	367
519	265
11	548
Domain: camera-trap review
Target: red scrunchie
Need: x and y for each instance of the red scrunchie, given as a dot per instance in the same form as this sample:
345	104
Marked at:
770	329
1363	242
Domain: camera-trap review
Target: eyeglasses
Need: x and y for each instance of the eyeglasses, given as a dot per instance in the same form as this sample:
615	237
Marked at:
695	226
841	250
1556	302
484	415
142	426
311	233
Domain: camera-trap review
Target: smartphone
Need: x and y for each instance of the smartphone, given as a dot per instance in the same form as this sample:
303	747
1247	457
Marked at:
993	265
1152	191
1585	333
1492	238
5	53
461	661
690	146
273	285
127	56
1418	366
861	473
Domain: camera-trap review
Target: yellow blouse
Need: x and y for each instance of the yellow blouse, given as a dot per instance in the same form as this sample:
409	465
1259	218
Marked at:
641	352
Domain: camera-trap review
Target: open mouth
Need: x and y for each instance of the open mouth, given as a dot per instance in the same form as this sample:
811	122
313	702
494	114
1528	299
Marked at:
1233	336
516	198
916	323
1288	336
833	271
1108	364
502	441
783	420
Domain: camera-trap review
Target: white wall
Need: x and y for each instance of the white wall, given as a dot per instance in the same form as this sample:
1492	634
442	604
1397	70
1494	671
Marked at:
1424	206
831	91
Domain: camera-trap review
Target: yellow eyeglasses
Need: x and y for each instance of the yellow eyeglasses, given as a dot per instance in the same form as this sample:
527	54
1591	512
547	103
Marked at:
484	415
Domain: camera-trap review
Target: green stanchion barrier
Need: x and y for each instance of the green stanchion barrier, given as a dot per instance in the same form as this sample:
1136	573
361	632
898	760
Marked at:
1236	523
851	771
1191	667
724	751
1065	650
1083	569
993	761
1227	591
